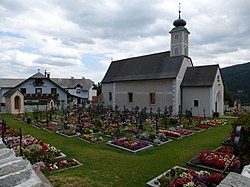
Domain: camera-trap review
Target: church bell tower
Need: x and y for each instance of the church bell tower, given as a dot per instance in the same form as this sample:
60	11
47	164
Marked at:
179	38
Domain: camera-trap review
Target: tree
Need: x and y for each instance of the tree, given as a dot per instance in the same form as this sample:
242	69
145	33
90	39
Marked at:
98	87
228	96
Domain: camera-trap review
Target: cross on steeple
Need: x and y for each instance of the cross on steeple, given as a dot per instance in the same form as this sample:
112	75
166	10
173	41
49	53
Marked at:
179	10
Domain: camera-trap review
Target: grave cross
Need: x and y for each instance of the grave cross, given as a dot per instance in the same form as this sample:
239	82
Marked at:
3	130
158	118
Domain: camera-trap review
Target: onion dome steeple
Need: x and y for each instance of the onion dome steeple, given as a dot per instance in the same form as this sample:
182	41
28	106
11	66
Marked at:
179	37
179	21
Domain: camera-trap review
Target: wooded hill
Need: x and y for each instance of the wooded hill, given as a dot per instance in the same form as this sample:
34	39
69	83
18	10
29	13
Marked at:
237	83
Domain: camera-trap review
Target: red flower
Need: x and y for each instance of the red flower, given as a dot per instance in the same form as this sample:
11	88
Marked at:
218	160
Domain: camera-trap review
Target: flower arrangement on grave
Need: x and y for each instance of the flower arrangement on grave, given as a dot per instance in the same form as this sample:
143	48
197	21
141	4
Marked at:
153	137
184	131
13	132
225	149
56	152
87	131
181	177
85	120
52	128
35	153
130	143
162	137
27	140
203	126
34	150
91	138
60	164
192	127
109	131
170	133
69	132
218	160
133	130
212	122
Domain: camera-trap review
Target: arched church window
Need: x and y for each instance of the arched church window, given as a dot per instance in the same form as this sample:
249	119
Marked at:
176	50
17	102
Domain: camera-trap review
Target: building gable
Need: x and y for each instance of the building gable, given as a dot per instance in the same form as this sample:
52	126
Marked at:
37	76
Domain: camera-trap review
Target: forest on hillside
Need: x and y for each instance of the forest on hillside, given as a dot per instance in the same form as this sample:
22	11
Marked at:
236	79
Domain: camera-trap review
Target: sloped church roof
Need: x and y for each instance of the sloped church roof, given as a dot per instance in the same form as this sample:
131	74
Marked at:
152	66
200	76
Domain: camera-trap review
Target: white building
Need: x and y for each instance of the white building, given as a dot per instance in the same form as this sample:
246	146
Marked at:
165	79
54	92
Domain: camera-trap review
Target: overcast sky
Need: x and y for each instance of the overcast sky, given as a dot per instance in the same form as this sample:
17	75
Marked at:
78	38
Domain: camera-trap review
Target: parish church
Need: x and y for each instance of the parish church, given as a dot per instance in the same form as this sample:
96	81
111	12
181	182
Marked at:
165	79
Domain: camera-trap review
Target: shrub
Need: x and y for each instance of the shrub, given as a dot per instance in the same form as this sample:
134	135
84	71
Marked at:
216	114
28	120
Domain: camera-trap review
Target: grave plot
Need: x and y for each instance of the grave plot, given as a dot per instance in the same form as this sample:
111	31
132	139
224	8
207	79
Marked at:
52	127
68	133
43	156
185	132
130	145
225	149
59	165
91	138
179	176
215	161
34	150
154	138
171	134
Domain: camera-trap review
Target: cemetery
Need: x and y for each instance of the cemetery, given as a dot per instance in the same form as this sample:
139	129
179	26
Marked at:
102	146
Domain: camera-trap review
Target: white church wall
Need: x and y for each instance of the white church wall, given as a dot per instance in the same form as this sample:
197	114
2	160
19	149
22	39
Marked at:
202	95
218	94
106	89
141	93
177	93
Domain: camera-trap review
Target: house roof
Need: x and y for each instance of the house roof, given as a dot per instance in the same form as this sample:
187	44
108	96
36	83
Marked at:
10	83
11	92
86	84
153	66
64	83
35	76
200	76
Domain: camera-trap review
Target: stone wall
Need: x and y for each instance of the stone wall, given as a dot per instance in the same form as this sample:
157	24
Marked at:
16	171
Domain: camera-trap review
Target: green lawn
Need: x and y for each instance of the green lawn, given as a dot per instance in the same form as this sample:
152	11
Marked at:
104	165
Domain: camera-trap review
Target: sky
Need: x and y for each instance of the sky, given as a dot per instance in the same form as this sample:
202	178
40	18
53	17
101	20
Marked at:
80	38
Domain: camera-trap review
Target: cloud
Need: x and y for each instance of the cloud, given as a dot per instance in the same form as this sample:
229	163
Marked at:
82	36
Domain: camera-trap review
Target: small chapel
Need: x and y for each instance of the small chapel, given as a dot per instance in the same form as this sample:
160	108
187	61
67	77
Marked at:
164	79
